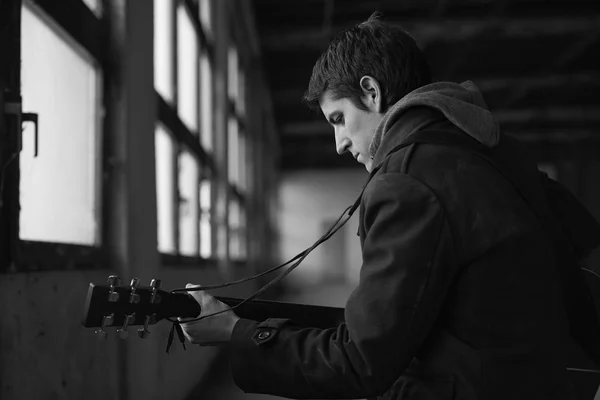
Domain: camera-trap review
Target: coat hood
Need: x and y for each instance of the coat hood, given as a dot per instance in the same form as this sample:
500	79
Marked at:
461	104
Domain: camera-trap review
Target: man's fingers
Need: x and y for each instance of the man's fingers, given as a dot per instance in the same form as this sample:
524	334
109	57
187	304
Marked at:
205	300
196	294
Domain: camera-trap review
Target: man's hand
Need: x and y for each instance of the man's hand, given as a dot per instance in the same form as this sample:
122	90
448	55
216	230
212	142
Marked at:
212	330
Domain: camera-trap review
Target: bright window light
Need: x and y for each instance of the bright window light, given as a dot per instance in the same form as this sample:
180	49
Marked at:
205	221
59	190
188	204
165	188
163	48
187	69
206	102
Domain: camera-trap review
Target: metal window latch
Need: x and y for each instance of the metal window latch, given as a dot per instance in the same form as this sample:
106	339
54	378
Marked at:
15	109
31	117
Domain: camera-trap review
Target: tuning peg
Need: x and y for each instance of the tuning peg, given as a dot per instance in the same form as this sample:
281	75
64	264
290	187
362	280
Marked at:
113	280
134	297
155	284
144	332
101	334
107	320
123	332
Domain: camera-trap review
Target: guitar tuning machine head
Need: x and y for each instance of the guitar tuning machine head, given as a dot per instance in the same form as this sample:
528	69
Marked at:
134	297
101	334
144	332
113	296
155	285
107	320
122	332
113	280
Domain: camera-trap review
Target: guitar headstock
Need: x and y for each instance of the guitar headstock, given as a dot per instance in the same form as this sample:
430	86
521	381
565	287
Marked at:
122	306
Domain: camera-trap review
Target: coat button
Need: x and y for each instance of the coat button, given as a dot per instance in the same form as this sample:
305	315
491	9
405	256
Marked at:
264	335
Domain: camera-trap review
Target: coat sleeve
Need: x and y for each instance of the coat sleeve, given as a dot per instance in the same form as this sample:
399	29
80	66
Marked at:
408	264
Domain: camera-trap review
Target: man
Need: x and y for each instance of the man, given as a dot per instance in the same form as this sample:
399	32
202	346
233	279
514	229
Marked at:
459	294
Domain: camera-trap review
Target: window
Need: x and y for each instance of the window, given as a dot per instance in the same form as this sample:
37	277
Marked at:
187	69
205	14
95	6
59	193
206	101
550	169
203	213
188	204
165	185
233	153
237	160
56	197
205	219
184	139
163	49
59	199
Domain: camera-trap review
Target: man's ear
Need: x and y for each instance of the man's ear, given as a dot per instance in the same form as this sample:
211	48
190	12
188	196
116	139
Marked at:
371	93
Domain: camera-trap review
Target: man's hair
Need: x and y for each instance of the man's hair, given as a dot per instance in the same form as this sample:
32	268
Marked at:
375	48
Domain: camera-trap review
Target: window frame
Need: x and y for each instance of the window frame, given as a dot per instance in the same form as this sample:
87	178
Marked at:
87	30
168	116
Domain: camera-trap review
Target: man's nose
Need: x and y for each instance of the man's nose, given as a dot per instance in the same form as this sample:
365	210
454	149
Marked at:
342	145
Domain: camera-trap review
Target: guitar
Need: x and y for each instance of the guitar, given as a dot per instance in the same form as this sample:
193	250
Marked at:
122	306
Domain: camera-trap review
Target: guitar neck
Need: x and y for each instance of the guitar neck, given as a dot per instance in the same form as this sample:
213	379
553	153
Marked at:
260	310
120	306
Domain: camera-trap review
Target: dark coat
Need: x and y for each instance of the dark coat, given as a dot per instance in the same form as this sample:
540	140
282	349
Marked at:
459	295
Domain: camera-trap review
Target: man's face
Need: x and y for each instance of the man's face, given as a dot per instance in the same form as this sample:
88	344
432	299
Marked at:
353	127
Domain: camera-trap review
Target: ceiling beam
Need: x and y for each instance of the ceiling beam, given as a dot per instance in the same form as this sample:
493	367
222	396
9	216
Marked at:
427	31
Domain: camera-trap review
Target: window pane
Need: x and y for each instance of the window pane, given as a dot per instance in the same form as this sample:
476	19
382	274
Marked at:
550	169
234	214
205	232
187	70
206	93
242	234
233	150
95	6
165	189
240	103
59	190
205	17
220	214
222	242
188	204
243	166
163	48
232	73
234	229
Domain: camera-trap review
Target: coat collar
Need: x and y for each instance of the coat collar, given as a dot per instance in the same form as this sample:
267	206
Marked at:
412	120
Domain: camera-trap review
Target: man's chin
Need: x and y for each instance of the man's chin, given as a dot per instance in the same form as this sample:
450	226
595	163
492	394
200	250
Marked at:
369	165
